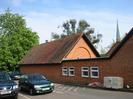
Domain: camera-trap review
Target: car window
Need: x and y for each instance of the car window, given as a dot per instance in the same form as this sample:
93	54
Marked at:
4	77
36	77
24	77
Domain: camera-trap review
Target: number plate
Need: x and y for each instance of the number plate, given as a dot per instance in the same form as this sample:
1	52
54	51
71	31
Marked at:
5	92
45	89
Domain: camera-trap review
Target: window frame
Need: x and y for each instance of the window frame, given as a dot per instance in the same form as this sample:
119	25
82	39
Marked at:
82	74
91	72
63	71
71	70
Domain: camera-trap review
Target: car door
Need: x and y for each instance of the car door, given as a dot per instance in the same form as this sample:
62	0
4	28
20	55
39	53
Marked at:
23	82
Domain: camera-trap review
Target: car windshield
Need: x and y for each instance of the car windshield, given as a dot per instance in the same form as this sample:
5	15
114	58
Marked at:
15	73
4	77
36	77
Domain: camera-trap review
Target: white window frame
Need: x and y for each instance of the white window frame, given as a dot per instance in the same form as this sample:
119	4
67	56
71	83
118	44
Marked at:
82	70
71	69
64	69
91	72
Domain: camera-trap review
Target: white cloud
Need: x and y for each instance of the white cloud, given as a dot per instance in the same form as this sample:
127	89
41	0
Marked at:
16	2
103	22
44	24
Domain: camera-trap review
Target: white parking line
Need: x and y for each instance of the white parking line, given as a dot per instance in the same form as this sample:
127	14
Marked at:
76	89
60	87
59	92
63	88
56	85
24	96
69	89
84	88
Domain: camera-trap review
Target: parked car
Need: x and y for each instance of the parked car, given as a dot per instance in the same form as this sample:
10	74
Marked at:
15	75
35	83
8	88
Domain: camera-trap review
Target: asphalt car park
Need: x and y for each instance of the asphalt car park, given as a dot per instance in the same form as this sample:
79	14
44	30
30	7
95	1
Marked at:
74	92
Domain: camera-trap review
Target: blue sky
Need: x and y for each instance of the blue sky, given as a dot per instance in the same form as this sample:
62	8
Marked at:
44	16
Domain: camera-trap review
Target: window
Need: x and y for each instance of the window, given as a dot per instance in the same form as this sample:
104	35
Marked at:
71	71
24	77
94	72
85	71
64	71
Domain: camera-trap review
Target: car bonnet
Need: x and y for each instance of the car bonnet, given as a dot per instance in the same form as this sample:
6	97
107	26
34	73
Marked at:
7	83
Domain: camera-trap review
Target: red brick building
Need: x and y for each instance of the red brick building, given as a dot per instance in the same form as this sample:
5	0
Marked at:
74	60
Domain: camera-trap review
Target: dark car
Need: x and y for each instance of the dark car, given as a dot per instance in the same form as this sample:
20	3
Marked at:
8	88
35	84
15	75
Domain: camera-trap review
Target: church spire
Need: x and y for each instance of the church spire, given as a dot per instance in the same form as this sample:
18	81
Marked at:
118	39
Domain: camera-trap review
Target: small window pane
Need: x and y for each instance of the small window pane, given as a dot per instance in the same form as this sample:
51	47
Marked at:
85	68
85	71
94	68
94	72
64	71
71	71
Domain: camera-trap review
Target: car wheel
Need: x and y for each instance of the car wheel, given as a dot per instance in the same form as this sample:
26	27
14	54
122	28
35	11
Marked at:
20	88
52	89
15	97
31	92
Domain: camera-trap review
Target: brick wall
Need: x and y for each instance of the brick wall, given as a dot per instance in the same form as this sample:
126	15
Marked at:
52	72
77	79
121	64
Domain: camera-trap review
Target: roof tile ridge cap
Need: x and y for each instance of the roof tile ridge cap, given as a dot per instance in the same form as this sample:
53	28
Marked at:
78	38
113	46
61	38
53	41
81	34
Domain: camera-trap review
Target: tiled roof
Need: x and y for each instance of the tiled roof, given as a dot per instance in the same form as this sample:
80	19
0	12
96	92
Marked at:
114	46
51	52
54	51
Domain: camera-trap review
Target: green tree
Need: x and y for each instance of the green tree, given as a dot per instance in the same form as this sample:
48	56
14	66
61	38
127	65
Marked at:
15	40
72	26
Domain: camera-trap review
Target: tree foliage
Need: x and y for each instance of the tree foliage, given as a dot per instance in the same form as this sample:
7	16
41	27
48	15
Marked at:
15	40
72	27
